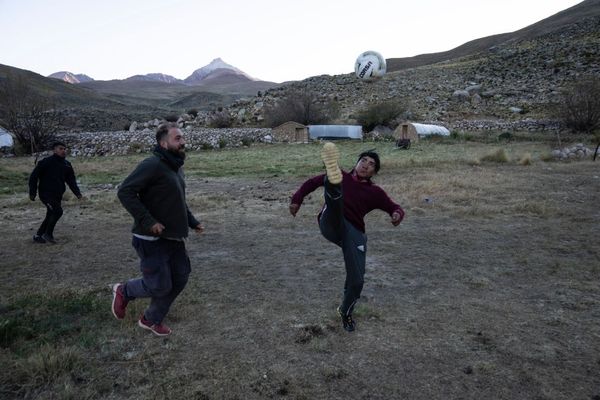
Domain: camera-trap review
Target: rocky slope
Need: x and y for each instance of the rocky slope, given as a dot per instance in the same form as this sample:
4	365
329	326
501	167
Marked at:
516	80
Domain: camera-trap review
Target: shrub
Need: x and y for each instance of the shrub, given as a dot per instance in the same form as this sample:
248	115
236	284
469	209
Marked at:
222	143
526	159
505	136
580	108
28	115
380	114
220	119
300	106
498	156
193	112
171	118
246	142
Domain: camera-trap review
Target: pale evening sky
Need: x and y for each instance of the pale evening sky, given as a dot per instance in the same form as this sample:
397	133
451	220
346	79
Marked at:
275	40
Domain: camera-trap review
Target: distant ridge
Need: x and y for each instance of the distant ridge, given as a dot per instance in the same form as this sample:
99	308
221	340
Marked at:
155	77
70	77
587	8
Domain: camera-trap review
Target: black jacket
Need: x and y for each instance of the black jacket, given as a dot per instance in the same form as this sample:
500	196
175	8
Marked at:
52	173
155	192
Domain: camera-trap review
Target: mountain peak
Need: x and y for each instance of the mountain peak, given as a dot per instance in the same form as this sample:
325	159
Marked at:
216	66
70	77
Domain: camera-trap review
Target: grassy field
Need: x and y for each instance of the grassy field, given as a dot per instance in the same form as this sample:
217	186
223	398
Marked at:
489	288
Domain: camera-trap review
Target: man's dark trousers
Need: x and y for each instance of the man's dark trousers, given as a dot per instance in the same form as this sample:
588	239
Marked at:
53	213
353	242
165	268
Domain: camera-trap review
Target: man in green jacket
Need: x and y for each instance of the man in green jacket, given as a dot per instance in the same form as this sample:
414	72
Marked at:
154	194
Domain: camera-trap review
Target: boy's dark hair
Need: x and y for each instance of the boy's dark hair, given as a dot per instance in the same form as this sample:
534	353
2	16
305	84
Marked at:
58	143
163	130
373	155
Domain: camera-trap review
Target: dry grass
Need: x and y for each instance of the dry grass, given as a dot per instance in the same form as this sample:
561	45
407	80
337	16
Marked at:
483	291
499	156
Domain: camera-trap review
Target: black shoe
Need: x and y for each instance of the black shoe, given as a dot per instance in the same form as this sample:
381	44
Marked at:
38	239
347	321
48	238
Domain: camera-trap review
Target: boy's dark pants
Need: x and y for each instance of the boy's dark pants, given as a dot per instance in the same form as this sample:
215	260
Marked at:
165	268
353	242
53	213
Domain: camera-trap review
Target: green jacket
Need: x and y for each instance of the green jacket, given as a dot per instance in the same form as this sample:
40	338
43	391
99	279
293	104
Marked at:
155	192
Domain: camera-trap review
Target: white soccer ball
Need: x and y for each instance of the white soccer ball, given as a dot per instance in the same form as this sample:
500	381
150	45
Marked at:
369	65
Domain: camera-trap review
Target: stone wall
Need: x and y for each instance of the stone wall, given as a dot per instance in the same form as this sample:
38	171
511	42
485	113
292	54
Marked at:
88	144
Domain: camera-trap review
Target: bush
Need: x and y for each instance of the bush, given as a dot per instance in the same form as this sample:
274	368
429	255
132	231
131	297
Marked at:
220	119
498	156
171	118
380	114
505	136
222	143
28	115
246	142
580	108
300	106
193	112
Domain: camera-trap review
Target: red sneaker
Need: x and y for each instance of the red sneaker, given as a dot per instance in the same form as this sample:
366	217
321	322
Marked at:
119	303
158	330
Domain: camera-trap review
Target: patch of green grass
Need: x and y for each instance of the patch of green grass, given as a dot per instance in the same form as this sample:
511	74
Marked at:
12	181
67	317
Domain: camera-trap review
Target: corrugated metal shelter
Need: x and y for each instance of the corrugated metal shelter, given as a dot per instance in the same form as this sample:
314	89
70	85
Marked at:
291	132
413	131
335	131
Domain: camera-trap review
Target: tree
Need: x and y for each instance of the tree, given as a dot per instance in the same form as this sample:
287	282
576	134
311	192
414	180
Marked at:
29	116
380	114
580	108
300	106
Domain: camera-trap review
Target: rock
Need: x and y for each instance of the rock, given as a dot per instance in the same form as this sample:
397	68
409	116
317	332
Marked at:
460	95
474	89
476	99
515	110
133	126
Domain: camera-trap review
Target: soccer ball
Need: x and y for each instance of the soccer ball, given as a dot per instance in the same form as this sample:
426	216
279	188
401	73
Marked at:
369	65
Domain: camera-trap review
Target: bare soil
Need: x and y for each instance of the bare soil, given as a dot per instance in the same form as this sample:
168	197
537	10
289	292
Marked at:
488	290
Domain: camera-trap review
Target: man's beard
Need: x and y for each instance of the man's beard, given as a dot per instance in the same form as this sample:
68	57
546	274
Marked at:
178	151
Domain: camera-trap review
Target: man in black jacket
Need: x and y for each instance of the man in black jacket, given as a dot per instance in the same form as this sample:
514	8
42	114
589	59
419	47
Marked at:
154	194
51	173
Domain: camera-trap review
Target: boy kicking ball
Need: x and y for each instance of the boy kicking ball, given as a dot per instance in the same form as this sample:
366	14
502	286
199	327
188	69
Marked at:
349	196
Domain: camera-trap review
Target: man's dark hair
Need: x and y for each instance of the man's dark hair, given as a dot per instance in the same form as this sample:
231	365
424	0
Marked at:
163	130
373	155
58	143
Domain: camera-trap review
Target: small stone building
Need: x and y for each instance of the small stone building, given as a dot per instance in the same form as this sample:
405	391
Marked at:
290	132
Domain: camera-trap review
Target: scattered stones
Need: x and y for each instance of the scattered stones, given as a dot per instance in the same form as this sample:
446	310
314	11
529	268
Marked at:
577	152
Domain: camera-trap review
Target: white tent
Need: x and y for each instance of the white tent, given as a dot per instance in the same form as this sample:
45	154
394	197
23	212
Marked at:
335	131
426	130
6	139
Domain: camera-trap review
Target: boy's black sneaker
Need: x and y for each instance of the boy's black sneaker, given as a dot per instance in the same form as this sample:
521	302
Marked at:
38	239
48	238
347	321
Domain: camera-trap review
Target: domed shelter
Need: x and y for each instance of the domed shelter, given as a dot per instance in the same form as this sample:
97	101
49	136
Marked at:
413	130
6	139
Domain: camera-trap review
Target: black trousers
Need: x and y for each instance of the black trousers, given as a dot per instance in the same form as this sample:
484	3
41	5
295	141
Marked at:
353	243
53	213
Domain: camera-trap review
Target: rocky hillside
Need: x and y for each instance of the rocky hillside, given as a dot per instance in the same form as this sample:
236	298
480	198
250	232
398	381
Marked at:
515	80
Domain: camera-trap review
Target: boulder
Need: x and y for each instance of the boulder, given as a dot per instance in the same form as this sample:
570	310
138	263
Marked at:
460	95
